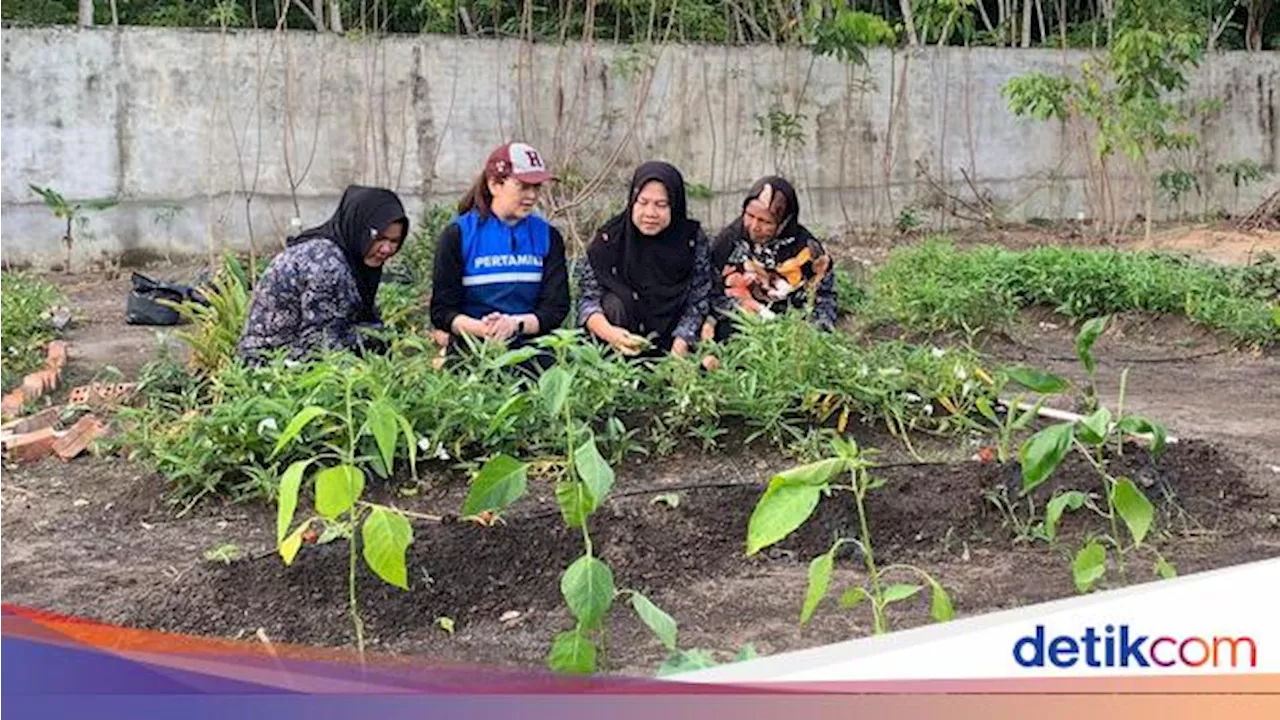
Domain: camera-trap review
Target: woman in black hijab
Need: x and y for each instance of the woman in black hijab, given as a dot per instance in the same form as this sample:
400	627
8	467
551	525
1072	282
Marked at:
647	276
314	294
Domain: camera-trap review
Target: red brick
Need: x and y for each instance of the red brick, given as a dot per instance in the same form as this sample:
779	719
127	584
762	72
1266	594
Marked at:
32	446
86	430
57	354
11	404
43	419
33	386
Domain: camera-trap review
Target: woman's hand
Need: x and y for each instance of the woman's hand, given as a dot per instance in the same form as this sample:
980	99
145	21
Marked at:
708	330
499	326
680	347
623	341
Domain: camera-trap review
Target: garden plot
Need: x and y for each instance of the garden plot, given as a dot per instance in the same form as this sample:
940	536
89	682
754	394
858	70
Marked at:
98	539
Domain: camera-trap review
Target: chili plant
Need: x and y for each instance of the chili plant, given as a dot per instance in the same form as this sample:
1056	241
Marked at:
339	482
583	485
791	498
1043	452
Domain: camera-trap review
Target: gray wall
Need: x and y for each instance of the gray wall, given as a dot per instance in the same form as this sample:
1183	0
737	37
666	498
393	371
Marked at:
198	132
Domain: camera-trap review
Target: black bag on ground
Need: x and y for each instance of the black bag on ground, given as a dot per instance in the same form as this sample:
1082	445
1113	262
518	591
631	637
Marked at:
143	308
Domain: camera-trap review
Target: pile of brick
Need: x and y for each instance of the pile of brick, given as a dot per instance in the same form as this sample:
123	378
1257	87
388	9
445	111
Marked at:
31	438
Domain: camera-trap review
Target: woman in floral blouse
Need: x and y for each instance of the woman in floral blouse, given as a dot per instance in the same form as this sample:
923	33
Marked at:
767	263
315	294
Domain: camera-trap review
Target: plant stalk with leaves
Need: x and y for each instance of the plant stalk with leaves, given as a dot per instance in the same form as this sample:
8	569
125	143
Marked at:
385	533
791	498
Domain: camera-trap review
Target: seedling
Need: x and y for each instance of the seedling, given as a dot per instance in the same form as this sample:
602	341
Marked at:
791	498
339	485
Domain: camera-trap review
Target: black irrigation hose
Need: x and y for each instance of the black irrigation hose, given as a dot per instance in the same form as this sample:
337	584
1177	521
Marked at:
723	485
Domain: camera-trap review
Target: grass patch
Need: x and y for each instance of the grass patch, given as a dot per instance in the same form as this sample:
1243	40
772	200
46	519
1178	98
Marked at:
935	287
24	324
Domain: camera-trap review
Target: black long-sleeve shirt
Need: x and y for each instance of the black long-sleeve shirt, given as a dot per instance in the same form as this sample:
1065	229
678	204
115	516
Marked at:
447	295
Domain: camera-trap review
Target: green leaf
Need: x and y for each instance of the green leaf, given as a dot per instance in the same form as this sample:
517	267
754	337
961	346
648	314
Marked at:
988	412
1072	499
575	503
1164	569
1093	429
819	581
410	438
501	481
446	623
813	474
572	652
1134	508
748	652
687	661
287	503
657	620
386	535
1037	380
670	499
587	586
594	471
382	422
1138	425
515	357
553	387
1089	566
899	591
852	597
289	546
1089	334
781	510
296	425
337	489
1043	452
940	606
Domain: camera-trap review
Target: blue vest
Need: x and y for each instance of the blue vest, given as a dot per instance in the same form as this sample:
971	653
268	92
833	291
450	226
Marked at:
502	264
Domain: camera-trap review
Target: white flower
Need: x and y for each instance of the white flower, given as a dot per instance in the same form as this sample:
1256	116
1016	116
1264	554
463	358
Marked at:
424	444
267	424
928	408
961	374
442	454
912	397
938	352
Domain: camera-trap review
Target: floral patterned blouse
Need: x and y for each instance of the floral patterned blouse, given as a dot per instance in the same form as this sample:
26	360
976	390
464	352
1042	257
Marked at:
307	300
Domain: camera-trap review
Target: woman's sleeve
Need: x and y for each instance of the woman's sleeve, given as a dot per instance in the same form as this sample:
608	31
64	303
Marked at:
590	293
695	311
824	304
720	303
329	302
446	279
553	297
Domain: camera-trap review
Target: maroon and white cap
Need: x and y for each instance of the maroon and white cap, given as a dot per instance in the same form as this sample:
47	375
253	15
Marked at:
520	161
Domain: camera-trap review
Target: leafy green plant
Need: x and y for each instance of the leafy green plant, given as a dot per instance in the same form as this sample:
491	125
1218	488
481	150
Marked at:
1242	173
216	326
1043	452
25	325
338	477
583	485
71	212
791	498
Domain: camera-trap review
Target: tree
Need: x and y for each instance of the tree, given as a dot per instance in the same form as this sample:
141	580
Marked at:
86	13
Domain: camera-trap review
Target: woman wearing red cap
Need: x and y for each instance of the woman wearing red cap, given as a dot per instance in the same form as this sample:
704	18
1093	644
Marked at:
500	270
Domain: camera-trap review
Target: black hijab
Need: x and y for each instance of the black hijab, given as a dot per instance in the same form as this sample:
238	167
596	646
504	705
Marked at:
650	275
362	214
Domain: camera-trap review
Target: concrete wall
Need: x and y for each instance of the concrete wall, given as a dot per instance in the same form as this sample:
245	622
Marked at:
203	135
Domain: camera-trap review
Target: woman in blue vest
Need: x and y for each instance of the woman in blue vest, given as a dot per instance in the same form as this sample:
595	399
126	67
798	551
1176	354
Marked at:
500	271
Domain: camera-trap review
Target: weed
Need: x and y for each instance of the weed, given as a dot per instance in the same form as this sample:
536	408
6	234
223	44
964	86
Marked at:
25	325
